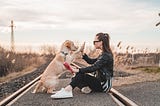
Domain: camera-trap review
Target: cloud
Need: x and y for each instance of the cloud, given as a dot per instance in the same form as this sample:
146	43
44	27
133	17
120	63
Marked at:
130	21
125	17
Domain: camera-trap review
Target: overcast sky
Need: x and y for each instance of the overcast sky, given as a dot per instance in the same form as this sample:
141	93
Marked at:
41	22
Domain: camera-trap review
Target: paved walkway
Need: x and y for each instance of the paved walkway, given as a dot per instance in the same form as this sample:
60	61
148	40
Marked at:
144	93
79	99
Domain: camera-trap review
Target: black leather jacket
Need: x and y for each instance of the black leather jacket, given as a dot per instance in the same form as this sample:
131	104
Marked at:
103	66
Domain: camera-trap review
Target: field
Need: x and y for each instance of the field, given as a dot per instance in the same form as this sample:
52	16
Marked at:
14	64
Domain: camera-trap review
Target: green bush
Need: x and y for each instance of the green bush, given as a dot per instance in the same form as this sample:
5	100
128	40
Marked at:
152	69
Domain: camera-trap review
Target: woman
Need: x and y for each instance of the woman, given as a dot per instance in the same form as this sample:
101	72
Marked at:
102	66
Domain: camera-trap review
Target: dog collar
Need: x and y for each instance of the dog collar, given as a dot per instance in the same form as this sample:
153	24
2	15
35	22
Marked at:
64	53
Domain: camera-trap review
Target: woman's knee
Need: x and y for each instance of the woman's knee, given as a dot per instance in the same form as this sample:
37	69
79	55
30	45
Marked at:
78	77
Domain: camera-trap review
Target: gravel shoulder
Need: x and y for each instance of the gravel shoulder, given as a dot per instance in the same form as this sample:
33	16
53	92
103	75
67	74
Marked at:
7	88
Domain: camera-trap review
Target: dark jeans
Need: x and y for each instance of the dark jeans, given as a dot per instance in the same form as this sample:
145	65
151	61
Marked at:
82	80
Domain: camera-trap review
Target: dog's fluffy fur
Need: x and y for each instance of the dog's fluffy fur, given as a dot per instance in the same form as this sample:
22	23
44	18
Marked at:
49	78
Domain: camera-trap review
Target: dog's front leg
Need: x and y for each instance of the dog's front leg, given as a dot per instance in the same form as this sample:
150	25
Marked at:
80	49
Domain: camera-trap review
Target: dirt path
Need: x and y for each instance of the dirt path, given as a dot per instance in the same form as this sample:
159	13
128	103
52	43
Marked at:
136	76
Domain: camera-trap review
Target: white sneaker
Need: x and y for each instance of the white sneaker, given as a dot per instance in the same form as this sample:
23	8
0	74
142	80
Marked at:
86	90
62	94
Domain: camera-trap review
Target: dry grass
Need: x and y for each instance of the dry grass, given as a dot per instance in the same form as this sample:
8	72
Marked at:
13	64
29	69
17	74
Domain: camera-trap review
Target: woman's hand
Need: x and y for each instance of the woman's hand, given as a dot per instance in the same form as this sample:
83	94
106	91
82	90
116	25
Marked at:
75	70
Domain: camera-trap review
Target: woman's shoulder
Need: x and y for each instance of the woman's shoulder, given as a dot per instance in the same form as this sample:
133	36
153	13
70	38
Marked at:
107	55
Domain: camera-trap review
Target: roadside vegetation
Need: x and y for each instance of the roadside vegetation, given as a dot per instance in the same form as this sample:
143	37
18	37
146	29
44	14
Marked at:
151	69
15	64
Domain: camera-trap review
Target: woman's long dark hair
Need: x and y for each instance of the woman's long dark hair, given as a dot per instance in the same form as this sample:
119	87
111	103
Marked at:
104	37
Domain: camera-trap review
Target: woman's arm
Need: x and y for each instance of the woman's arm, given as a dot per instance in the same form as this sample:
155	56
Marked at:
96	66
89	60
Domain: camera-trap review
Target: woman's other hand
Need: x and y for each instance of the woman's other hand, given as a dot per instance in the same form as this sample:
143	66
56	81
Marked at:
75	70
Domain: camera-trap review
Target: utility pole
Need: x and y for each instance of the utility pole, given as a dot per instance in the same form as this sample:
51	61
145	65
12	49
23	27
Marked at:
158	22
12	36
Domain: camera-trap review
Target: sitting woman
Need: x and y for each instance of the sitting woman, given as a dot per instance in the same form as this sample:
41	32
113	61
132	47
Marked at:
102	66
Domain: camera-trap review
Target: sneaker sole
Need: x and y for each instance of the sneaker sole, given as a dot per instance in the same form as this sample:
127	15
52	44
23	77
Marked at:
61	97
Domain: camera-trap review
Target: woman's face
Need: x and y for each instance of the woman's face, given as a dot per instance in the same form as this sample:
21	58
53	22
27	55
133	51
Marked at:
97	43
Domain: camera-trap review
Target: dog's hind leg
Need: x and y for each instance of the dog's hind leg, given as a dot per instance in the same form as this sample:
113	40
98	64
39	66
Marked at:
44	89
50	90
38	86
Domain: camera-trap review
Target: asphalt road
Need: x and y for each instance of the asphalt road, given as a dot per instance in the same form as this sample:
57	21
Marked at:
144	93
79	99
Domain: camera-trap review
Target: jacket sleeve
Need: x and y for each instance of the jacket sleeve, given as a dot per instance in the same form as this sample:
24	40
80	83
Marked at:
89	60
96	66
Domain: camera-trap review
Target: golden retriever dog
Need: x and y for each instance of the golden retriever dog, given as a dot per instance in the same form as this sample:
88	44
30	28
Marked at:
49	78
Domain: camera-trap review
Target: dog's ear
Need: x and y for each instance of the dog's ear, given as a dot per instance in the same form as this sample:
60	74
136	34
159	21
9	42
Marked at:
67	44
